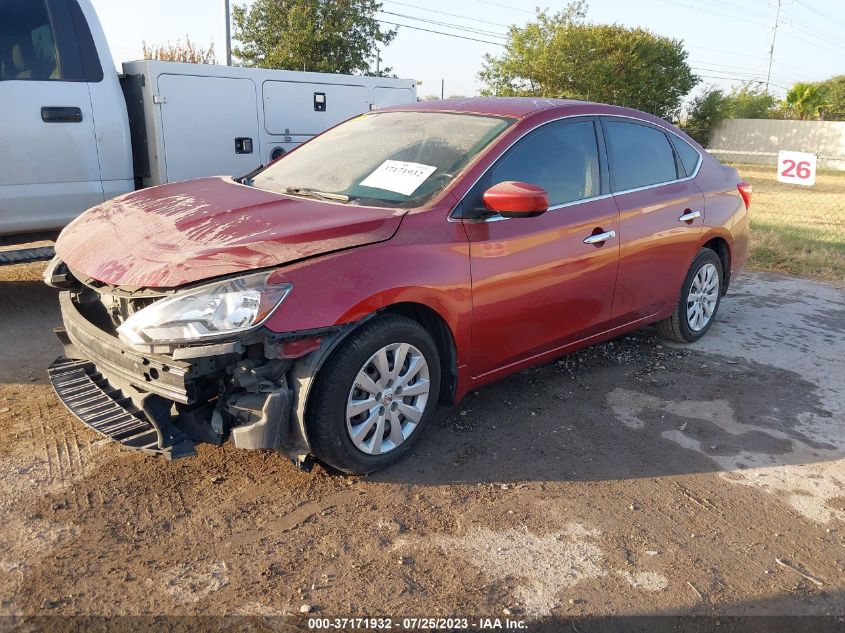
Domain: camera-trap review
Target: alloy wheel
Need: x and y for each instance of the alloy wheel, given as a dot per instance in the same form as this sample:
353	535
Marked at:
387	398
703	297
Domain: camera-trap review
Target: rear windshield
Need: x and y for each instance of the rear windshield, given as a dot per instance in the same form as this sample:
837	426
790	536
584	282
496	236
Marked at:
388	159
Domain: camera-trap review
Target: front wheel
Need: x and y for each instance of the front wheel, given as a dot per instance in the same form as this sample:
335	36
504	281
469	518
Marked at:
374	396
699	302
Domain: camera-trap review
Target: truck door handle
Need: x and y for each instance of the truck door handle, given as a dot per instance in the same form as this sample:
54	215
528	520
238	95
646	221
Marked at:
689	216
599	238
61	114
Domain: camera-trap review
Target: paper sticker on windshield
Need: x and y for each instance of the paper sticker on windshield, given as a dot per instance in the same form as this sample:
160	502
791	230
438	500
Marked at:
399	176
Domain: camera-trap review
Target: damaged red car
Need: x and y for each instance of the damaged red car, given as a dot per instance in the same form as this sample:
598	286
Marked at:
326	304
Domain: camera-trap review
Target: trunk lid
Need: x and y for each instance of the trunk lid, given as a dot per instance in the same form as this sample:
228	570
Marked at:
185	232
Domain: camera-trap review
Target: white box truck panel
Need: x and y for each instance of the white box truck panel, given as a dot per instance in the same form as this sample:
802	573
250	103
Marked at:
210	126
384	97
296	108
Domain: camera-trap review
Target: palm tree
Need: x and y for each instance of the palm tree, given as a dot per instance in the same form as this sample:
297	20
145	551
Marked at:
806	100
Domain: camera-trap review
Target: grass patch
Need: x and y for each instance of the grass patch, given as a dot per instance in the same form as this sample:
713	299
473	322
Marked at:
797	230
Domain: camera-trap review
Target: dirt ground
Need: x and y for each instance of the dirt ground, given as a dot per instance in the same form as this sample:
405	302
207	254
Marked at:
633	478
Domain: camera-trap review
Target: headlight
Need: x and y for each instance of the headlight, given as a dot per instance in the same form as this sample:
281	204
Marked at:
207	312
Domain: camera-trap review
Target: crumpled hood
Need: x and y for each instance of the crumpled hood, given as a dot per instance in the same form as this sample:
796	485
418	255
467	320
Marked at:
185	232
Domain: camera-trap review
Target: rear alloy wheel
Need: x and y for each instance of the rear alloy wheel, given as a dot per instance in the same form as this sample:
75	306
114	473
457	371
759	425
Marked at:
374	396
699	302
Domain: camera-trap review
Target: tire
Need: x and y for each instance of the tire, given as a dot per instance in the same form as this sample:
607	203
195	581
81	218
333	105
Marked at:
692	319
342	440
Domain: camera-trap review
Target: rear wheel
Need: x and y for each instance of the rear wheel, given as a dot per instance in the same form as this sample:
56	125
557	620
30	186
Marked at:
374	396
699	302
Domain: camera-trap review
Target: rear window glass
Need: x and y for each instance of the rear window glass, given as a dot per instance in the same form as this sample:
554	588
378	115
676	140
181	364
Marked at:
639	156
688	154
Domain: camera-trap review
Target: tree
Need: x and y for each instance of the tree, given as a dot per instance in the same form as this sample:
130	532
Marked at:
560	55
834	89
805	100
187	52
706	111
332	36
749	101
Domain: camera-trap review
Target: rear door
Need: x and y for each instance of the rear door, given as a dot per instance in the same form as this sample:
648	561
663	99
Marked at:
49	168
536	285
210	126
660	221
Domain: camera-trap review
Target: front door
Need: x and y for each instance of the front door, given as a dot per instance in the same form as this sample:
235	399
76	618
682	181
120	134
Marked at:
536	284
49	169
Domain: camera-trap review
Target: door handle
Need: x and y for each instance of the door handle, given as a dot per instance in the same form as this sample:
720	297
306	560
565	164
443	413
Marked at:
689	216
598	238
61	114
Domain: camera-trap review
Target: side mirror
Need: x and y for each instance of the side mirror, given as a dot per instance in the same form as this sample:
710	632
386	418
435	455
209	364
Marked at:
513	199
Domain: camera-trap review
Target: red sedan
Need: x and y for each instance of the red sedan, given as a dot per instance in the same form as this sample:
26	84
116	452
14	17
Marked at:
324	305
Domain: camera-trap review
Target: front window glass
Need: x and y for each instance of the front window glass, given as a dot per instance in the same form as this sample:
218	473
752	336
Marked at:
388	159
27	46
562	158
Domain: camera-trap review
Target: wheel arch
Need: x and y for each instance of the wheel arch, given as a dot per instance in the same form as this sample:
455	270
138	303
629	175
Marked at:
443	337
719	245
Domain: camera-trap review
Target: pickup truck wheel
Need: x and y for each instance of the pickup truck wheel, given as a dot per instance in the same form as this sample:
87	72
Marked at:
699	302
375	395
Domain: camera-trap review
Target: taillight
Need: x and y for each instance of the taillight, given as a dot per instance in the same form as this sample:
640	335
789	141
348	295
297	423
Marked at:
745	192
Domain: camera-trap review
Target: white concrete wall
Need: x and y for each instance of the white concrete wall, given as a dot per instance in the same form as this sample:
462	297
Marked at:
759	140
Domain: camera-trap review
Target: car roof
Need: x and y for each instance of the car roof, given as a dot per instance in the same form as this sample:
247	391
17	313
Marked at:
499	106
524	107
521	107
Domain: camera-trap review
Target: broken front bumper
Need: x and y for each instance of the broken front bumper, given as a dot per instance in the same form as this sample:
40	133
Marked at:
162	405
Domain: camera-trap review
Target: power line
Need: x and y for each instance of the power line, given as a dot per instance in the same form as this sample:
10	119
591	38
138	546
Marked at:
719	50
738	9
505	6
460	37
826	16
454	15
756	81
449	25
828	38
733	16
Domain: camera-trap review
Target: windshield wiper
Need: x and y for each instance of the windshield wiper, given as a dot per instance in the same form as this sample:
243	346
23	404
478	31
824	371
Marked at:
313	193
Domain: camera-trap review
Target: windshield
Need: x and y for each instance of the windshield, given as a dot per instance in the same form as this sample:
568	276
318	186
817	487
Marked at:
386	159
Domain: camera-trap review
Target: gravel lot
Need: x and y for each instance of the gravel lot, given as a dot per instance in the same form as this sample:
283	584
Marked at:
631	478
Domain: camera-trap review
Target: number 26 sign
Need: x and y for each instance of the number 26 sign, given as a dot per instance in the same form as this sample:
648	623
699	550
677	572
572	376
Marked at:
797	168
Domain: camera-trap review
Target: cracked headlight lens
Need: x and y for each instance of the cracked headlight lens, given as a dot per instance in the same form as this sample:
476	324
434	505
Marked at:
207	312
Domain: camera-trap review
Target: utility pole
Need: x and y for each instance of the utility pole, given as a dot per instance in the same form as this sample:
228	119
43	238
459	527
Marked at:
772	47
442	88
228	34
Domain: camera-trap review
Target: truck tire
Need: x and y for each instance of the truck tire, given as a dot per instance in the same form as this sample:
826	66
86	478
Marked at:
374	396
699	302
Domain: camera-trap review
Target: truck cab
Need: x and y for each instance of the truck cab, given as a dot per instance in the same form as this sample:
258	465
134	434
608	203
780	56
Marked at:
64	133
75	133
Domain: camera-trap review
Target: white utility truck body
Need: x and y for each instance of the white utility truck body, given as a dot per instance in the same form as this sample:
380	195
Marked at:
74	133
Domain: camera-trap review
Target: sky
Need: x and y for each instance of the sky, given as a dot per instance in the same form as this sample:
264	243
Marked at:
728	42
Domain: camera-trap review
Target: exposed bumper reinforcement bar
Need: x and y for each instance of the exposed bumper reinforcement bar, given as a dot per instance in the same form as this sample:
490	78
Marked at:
90	397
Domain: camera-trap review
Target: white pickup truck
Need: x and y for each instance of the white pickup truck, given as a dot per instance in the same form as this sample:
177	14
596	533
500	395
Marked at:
73	132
